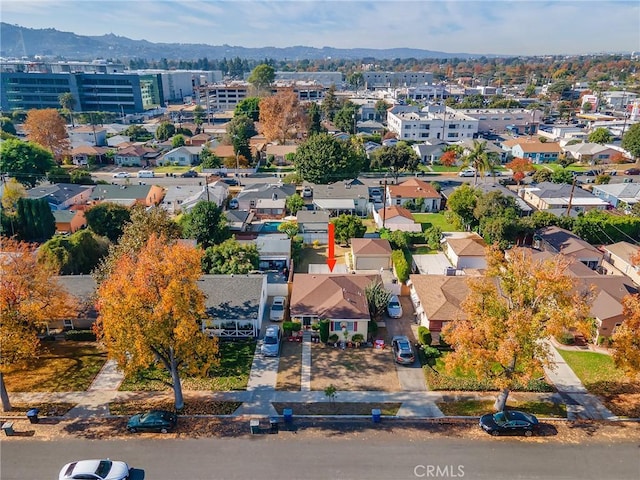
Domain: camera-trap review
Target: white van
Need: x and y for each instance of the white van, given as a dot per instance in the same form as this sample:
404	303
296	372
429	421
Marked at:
146	174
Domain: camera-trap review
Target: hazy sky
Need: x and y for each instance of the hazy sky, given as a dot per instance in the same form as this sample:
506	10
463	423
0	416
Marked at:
476	26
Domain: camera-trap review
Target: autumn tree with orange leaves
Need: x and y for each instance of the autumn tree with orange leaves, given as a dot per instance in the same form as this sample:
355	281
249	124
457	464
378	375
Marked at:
30	296
149	307
281	116
509	314
520	167
47	128
626	337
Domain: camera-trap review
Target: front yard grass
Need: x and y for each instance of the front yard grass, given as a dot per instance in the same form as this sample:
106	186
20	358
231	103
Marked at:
600	376
192	406
231	374
476	408
337	408
434	220
62	366
290	367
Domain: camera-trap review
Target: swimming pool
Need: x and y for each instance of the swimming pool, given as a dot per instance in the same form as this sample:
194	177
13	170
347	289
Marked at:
270	227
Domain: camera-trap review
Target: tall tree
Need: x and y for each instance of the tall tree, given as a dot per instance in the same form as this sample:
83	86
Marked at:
231	257
108	219
348	227
509	314
324	159
27	162
377	299
68	104
198	115
281	116
356	80
208	159
626	342
250	107
165	131
47	128
462	203
600	135
239	130
345	118
149	308
77	254
294	204
520	167
206	224
29	297
381	108
397	158
262	77
313	119
330	103
631	140
480	159
34	221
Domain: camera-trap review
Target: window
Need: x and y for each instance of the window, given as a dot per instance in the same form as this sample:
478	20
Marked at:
350	326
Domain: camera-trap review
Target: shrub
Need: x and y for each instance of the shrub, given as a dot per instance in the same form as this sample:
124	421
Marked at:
358	338
399	258
324	330
333	338
424	336
80	336
372	327
431	352
566	338
297	326
287	327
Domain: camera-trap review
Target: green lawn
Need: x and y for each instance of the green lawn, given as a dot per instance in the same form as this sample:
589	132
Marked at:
231	374
434	219
591	367
443	168
171	169
476	408
61	366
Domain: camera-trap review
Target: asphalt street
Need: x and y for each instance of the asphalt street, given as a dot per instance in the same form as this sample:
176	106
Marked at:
281	457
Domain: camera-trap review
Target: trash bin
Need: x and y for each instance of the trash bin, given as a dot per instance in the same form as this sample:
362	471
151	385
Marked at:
32	415
255	426
375	415
287	413
273	425
8	428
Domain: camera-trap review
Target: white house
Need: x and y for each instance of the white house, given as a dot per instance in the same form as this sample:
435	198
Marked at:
465	250
184	156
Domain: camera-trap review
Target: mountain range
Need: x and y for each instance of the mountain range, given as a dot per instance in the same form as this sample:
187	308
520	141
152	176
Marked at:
17	41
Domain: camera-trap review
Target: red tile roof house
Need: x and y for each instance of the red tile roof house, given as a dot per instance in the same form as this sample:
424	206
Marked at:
370	254
339	298
412	190
396	218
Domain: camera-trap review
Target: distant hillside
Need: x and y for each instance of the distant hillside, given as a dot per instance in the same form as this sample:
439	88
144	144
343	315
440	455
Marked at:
16	41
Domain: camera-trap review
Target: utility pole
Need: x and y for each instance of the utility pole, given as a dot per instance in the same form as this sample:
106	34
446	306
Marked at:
384	202
573	187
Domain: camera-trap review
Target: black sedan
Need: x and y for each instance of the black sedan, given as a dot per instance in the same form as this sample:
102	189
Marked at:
153	421
189	174
509	422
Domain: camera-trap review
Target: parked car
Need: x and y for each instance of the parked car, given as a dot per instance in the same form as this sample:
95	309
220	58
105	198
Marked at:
146	174
509	422
271	341
394	309
121	175
230	181
234	204
376	195
632	171
402	350
153	421
95	469
467	172
189	174
307	191
276	314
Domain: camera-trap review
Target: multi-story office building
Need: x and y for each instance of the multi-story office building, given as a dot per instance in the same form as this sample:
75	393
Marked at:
376	80
180	85
434	122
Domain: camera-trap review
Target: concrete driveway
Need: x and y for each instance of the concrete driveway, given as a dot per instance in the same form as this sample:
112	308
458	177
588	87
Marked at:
411	377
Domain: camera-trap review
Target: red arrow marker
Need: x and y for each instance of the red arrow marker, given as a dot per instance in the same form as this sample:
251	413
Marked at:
331	254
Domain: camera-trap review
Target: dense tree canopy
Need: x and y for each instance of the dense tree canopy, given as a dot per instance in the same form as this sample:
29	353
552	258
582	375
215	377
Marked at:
626	346
249	107
631	140
231	257
108	219
76	254
30	296
348	227
47	128
165	131
397	159
262	76
281	116
324	159
600	135
27	162
34	221
206	224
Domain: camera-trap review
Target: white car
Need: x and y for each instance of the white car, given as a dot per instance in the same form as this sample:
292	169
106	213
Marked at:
307	192
394	309
467	172
95	470
277	309
121	175
271	342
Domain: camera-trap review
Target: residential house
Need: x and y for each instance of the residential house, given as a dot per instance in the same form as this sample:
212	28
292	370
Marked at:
370	254
135	156
62	196
536	151
128	195
83	289
69	221
465	250
199	140
118	140
279	153
182	198
239	221
83	155
275	251
619	195
429	152
313	226
340	298
88	135
370	147
548	196
416	192
370	127
235	305
341	197
618	258
396	218
436	300
558	240
607	309
265	200
183	156
591	153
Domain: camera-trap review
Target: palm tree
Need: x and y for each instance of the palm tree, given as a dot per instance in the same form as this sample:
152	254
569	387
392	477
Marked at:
479	159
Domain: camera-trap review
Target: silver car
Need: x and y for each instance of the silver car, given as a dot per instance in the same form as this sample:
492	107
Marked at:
394	309
402	351
271	341
276	314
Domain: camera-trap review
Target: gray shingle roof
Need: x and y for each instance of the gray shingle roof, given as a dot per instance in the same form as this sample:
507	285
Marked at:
232	296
